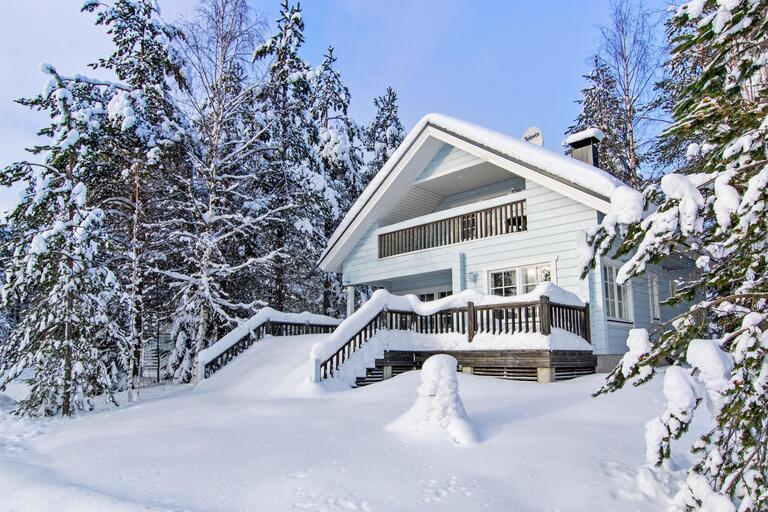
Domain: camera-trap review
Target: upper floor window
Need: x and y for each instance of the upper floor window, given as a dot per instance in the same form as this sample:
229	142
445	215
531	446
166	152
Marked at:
617	296
518	280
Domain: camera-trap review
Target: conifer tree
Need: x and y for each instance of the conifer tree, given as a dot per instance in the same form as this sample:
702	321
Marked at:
600	108
383	136
292	181
340	155
150	146
716	216
70	337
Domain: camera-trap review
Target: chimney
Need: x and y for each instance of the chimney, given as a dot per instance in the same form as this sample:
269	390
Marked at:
584	145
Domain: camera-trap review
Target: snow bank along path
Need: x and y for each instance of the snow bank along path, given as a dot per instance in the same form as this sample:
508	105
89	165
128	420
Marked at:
259	436
383	300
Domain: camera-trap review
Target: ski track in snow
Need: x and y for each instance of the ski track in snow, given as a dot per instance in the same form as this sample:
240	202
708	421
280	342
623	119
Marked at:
259	436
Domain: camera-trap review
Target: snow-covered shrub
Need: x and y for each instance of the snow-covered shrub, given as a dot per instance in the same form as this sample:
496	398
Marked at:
438	409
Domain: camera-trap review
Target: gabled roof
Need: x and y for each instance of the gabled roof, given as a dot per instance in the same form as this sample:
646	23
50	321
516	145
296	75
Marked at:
566	175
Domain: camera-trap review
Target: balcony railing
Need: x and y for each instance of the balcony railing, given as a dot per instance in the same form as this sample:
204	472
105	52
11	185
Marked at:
497	220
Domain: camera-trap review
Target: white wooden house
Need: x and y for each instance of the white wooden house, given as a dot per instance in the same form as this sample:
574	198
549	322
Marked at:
459	206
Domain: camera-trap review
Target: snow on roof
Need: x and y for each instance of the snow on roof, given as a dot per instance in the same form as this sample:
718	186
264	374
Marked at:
589	133
565	167
561	167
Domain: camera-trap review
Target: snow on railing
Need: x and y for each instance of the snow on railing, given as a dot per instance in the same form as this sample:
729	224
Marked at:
266	322
467	312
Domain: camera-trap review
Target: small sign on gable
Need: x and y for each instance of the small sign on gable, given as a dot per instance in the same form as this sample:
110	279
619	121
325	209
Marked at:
534	136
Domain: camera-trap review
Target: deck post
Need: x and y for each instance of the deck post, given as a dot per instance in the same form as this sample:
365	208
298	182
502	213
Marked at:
545	315
587	327
350	300
387	372
470	321
545	375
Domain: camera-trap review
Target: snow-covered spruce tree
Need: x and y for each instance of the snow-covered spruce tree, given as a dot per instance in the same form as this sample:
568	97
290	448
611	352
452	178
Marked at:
150	146
8	314
217	228
341	159
70	336
717	217
669	152
383	136
292	183
600	108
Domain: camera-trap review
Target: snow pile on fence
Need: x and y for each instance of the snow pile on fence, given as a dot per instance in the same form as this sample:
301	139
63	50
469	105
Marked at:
265	315
438	409
383	300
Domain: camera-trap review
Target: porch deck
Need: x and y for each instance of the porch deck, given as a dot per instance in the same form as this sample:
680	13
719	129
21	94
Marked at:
521	364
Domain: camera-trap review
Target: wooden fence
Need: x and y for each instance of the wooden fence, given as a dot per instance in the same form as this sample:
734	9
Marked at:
494	221
508	318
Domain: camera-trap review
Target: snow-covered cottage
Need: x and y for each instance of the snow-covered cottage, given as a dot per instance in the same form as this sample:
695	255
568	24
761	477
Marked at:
460	207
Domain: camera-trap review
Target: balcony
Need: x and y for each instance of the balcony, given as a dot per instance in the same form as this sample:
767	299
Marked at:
502	219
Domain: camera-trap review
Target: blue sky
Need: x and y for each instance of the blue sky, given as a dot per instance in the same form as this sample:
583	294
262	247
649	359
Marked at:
503	64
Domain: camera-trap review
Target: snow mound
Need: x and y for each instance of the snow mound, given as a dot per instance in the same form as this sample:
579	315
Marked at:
438	409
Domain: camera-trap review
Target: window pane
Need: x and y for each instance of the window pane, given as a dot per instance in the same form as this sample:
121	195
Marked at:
533	276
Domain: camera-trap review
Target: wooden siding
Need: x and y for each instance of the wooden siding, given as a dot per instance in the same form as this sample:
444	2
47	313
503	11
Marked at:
614	333
481	193
555	224
415	203
448	159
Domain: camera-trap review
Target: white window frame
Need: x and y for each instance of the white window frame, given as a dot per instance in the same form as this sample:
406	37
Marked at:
436	291
518	267
654	297
627	289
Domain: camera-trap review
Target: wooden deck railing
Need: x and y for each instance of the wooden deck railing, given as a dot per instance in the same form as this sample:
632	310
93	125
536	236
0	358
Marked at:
494	221
267	328
497	319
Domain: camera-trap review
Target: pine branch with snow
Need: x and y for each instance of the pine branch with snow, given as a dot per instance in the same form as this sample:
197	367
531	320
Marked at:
717	217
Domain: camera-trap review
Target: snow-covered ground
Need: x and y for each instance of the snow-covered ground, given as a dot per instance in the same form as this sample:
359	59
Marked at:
258	436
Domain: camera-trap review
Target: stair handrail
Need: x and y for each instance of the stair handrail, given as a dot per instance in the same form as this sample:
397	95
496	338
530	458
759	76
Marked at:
266	322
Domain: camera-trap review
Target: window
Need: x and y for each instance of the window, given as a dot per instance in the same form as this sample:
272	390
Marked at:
617	297
533	276
653	294
429	296
504	283
519	280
